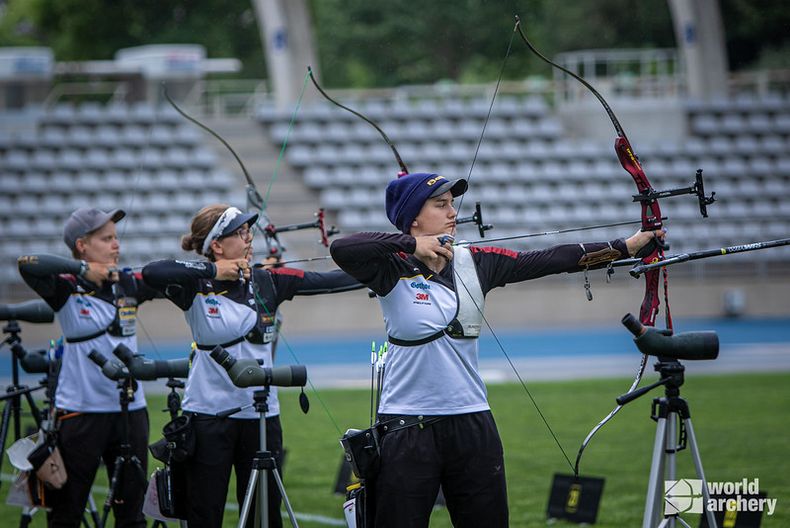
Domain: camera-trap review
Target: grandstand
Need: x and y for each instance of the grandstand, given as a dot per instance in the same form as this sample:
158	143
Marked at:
531	177
537	168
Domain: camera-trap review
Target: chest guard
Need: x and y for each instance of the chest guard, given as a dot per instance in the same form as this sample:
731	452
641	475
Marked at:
471	301
468	319
125	299
260	294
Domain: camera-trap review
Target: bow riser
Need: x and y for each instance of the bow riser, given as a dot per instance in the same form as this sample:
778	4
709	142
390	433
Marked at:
650	303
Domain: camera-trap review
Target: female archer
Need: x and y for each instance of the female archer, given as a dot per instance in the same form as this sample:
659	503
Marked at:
226	302
435	423
96	306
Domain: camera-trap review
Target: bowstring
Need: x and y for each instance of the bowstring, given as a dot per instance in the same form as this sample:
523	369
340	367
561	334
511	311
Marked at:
488	115
513	367
132	199
260	303
281	155
460	204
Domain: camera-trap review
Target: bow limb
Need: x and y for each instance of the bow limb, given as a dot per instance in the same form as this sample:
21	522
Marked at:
403	169
651	220
253	196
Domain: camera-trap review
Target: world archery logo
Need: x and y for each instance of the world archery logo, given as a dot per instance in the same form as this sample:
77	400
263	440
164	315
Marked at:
683	496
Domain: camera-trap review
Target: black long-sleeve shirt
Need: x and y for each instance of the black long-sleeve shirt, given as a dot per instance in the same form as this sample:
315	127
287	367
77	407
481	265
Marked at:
379	260
429	372
92	317
238	314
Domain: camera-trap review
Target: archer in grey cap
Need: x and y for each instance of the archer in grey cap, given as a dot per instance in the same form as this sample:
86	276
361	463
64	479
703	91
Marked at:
85	220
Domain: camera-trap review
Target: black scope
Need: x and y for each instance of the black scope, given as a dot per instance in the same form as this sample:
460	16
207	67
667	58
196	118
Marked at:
31	362
35	311
661	343
248	373
112	368
143	369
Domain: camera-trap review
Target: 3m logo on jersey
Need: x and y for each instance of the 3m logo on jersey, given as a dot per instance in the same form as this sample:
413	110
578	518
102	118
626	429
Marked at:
84	307
213	307
422	297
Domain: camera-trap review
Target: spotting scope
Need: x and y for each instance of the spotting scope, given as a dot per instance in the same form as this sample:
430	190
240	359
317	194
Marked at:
248	373
112	368
143	369
661	343
35	311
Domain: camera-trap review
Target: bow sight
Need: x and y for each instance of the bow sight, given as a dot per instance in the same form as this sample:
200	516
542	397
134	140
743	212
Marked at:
477	219
270	232
698	189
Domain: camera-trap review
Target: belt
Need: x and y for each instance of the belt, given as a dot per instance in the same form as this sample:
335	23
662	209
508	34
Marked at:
223	345
397	423
417	342
86	338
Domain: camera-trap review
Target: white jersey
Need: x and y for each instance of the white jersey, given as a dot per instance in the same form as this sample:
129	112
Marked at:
216	319
81	385
435	378
221	312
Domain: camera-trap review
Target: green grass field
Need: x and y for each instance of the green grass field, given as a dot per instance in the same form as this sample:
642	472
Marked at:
741	422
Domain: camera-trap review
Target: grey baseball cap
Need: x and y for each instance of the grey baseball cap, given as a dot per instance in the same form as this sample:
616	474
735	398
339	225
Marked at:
86	220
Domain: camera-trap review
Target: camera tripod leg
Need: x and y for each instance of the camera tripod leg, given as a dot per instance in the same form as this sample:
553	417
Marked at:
700	472
114	481
245	508
94	513
663	467
26	518
257	477
655	484
276	473
33	409
4	428
123	464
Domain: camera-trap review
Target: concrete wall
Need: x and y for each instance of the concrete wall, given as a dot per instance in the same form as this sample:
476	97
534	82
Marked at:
536	304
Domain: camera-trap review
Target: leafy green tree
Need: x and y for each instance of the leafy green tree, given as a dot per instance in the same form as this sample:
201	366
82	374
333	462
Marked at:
96	29
364	43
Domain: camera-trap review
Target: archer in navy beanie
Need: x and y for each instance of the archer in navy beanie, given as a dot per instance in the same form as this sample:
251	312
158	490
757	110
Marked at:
406	195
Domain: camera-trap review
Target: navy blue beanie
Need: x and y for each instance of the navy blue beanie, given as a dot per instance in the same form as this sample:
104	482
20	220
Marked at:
406	195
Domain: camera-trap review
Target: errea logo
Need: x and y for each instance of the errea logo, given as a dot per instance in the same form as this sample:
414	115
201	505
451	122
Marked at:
434	180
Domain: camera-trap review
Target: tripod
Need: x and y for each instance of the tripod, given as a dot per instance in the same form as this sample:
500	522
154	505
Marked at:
125	460
13	404
262	463
173	406
673	420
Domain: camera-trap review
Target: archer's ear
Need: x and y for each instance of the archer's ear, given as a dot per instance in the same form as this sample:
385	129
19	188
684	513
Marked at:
79	246
216	248
414	223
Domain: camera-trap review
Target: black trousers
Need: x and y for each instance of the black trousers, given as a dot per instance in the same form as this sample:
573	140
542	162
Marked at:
222	444
462	453
84	440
